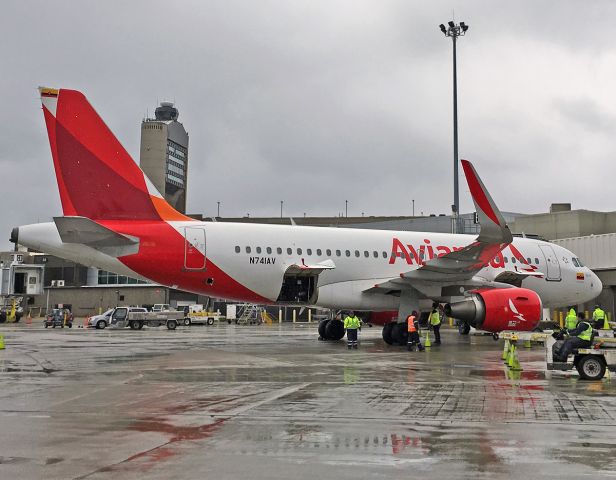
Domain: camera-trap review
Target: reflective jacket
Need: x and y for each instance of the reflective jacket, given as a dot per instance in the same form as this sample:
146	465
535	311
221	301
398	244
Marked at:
583	331
410	324
352	323
435	318
571	320
599	316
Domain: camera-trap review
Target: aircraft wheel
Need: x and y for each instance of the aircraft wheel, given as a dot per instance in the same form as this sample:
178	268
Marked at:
399	333
334	330
464	328
387	329
322	327
591	367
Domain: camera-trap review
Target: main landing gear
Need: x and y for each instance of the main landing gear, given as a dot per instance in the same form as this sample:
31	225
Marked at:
395	334
331	330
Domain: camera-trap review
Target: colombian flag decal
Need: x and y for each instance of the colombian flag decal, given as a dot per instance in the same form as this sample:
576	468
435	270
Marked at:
579	276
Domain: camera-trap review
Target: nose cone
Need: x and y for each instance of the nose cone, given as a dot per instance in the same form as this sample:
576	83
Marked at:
596	286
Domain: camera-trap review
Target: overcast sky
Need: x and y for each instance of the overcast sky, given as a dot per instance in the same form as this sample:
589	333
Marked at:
314	102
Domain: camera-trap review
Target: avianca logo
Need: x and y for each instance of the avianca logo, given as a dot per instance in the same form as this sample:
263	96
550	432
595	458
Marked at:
426	251
516	313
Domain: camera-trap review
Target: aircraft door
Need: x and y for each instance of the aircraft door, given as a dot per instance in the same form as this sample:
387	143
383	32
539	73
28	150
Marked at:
553	269
194	248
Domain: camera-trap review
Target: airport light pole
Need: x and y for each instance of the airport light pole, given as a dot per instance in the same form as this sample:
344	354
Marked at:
281	202
218	211
346	208
454	31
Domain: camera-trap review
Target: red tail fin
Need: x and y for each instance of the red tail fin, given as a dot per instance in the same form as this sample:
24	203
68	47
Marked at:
97	178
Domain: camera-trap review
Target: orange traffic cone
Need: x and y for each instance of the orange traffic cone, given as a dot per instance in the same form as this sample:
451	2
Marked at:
29	319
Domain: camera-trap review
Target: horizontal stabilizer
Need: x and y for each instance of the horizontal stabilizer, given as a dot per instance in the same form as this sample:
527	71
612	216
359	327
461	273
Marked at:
87	232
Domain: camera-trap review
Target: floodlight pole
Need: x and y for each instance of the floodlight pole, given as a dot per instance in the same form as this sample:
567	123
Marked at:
454	31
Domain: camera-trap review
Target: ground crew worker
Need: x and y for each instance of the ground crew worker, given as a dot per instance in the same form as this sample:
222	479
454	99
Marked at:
579	337
352	323
435	323
600	318
412	325
571	319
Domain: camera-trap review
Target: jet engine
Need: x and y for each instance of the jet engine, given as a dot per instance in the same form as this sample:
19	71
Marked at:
499	309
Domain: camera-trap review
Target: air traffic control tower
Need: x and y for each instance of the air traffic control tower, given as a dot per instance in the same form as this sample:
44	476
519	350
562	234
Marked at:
164	154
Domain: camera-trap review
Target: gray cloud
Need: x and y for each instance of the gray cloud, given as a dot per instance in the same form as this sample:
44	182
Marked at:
317	102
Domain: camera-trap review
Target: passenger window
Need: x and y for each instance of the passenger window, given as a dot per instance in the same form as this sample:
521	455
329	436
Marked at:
338	253
328	252
269	250
279	250
319	252
248	250
237	249
347	253
506	260
375	254
258	249
289	251
537	261
384	254
357	253
299	251
512	259
309	251
366	254
528	260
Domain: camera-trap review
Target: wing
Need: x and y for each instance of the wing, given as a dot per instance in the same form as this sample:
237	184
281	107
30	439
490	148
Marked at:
465	263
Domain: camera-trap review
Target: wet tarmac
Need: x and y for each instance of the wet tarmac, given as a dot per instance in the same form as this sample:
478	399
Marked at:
272	402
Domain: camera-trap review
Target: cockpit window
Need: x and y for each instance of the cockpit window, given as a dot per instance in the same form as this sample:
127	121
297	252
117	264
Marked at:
575	262
579	262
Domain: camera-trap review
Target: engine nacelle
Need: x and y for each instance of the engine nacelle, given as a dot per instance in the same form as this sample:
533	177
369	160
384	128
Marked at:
495	310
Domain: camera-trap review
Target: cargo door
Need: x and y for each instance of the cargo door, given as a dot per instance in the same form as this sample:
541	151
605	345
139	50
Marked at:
553	267
194	248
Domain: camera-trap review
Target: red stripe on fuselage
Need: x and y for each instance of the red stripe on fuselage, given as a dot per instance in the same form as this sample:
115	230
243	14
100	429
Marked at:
161	259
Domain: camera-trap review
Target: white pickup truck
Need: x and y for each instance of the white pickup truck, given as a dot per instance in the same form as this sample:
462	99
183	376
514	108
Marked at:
123	316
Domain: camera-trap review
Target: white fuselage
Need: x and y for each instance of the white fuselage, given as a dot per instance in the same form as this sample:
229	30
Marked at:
257	257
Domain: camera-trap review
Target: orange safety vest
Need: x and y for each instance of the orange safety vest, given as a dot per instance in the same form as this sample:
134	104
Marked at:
410	320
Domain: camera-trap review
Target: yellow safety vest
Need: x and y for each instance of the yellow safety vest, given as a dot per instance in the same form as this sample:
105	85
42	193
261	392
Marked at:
586	334
352	322
598	315
571	320
435	318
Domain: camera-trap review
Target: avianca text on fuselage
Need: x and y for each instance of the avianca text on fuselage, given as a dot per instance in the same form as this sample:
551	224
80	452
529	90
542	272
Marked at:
427	251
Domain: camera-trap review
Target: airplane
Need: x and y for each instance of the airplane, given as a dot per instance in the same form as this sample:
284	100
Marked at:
115	219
